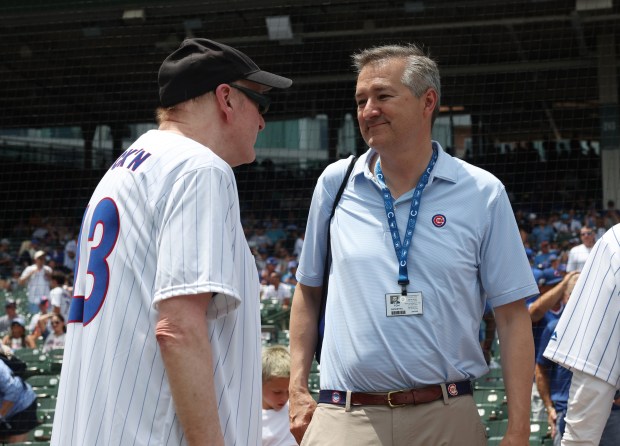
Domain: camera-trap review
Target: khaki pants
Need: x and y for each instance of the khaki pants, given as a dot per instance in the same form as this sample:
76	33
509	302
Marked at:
431	424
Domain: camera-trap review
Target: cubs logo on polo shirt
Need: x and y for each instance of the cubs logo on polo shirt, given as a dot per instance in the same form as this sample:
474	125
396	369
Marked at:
452	390
439	220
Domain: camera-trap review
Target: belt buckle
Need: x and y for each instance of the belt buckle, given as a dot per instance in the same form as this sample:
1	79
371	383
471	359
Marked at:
389	399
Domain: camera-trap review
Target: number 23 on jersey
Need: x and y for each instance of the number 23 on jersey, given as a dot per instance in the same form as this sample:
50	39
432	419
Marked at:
92	274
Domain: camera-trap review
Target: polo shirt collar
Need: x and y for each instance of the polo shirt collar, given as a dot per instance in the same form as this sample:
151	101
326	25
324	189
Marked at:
446	167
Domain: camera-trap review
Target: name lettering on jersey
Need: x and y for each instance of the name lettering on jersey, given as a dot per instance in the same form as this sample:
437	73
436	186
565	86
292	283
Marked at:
139	156
554	336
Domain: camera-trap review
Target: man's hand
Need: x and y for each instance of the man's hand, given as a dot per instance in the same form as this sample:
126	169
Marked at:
551	419
301	409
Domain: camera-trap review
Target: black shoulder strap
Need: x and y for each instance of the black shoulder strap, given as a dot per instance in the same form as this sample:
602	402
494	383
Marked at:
328	258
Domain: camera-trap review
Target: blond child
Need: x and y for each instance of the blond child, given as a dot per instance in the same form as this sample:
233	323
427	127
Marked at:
276	375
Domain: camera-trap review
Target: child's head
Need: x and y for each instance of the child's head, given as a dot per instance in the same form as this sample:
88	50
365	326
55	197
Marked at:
57	279
276	376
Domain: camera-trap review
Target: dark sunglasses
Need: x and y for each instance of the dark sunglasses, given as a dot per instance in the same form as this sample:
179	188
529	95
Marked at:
587	233
261	100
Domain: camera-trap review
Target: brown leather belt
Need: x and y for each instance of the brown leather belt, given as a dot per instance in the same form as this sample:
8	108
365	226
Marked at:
397	398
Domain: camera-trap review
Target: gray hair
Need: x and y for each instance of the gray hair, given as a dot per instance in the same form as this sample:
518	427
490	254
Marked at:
420	74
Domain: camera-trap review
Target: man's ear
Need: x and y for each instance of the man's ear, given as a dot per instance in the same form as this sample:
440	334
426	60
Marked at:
430	100
224	102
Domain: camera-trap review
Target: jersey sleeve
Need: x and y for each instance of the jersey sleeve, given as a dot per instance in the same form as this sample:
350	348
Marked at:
588	333
196	237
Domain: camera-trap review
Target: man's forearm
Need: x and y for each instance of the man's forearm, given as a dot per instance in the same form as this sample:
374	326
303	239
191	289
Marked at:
517	352
303	334
183	338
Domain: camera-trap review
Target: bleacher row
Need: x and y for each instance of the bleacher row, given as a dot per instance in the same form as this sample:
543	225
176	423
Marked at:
43	374
489	390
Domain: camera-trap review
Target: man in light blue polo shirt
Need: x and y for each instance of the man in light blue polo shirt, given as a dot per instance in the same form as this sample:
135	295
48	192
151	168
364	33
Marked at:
420	241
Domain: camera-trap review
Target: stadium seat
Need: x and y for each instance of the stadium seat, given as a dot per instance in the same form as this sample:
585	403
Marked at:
44	385
495	396
492	380
46	404
42	432
314	384
496	428
540	430
485	411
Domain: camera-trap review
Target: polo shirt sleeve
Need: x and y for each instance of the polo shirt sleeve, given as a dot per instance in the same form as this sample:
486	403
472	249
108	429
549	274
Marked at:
311	264
505	272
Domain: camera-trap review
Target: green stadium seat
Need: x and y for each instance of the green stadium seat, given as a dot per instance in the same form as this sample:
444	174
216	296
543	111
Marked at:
44	385
314	384
540	429
496	428
494	441
494	396
492	380
46	404
43	432
485	410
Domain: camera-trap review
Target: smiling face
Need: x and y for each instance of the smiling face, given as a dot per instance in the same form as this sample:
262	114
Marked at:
388	113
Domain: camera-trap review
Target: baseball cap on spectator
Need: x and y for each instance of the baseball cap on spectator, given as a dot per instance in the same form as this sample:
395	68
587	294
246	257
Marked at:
198	66
5	241
19	321
10	302
529	252
39	254
538	276
43	300
292	264
551	276
272	261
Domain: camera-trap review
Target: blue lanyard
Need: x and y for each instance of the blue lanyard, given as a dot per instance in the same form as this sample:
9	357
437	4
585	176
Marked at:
402	251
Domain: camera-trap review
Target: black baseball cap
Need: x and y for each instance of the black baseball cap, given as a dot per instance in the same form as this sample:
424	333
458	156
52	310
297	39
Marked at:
200	65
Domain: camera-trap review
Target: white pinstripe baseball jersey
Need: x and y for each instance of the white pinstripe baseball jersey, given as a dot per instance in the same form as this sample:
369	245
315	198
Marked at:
587	337
164	221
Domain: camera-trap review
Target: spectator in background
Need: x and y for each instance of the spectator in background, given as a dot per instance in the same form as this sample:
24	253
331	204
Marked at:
276	377
37	278
6	260
18	407
60	297
289	277
56	339
578	255
611	215
69	259
553	380
542	232
299	243
10	308
275	289
17	339
39	320
259	238
275	231
575	222
272	264
544	257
